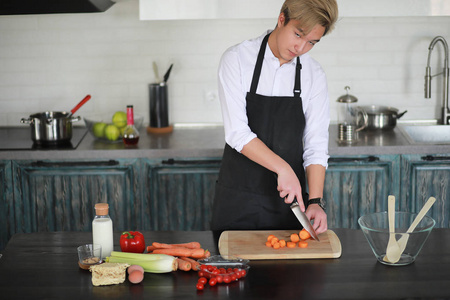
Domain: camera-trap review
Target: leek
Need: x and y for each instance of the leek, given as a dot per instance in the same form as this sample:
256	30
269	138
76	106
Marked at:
151	263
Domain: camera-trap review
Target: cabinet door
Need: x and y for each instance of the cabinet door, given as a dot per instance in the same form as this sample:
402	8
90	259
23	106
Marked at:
180	193
60	196
358	185
6	201
423	177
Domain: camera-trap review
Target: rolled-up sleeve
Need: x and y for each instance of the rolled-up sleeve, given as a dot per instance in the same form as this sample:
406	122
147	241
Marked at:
317	116
232	101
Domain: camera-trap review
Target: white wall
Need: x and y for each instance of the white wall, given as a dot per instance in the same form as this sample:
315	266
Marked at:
50	62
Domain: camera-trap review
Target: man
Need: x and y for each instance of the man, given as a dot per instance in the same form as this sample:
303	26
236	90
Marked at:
276	114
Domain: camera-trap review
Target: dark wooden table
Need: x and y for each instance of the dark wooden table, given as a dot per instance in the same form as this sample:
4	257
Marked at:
44	266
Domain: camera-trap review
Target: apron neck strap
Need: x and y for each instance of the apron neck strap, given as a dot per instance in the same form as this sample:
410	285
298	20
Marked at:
258	67
297	84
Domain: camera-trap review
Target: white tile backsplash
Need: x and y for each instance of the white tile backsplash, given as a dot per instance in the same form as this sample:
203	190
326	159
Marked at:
50	62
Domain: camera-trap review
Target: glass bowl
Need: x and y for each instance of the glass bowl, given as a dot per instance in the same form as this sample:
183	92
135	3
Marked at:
376	230
97	125
224	270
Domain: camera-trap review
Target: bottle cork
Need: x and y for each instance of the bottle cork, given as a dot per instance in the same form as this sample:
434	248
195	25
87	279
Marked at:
101	209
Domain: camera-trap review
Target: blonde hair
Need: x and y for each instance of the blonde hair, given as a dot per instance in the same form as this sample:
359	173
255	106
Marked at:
311	13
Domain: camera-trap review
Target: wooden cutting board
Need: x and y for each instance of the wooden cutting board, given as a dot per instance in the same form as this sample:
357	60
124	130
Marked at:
251	245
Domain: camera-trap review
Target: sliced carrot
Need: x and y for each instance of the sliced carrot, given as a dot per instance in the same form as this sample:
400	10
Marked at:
268	244
304	235
291	244
303	244
276	245
271	236
294	238
274	240
282	243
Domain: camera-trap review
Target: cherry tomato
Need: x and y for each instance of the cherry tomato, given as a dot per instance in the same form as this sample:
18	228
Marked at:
203	267
201	274
243	273
233	277
226	278
219	278
202	280
216	272
229	270
213	281
200	286
211	268
222	270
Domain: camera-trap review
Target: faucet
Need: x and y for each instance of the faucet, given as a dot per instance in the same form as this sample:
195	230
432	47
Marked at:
445	116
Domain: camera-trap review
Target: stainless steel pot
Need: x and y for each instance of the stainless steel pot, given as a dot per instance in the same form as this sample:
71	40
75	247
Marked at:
51	127
382	117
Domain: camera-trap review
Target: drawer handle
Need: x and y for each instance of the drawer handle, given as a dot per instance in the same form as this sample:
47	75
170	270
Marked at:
41	163
172	161
353	159
434	158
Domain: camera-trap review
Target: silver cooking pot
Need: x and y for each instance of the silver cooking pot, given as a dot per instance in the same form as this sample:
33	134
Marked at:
381	117
51	127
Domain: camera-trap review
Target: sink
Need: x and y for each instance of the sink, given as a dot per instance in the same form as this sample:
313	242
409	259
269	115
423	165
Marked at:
427	134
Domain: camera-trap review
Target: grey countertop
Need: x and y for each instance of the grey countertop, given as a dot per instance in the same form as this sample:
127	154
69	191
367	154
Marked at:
206	141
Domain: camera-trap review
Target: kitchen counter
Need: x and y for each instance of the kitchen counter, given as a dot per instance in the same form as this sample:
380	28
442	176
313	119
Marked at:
44	266
207	141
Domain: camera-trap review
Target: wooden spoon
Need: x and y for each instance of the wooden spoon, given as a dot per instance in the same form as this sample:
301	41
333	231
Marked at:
392	248
394	257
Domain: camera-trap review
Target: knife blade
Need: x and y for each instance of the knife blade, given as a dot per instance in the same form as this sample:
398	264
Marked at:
303	219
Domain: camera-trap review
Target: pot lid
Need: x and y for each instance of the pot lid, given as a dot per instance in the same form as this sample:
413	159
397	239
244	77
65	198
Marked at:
347	98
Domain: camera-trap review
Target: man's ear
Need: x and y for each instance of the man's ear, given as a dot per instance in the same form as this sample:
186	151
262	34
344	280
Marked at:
281	20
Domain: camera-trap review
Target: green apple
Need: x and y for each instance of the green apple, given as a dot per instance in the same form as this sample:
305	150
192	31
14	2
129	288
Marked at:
112	133
98	129
119	119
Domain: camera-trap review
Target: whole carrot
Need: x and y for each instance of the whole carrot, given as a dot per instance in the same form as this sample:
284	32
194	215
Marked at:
193	253
195	265
190	245
184	265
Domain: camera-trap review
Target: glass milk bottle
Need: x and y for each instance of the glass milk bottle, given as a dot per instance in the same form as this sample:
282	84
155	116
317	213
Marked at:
102	229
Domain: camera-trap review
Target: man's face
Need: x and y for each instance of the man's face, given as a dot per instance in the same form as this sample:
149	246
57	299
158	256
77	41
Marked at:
291	41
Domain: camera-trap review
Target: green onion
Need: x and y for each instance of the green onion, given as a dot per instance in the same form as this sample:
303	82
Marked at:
152	263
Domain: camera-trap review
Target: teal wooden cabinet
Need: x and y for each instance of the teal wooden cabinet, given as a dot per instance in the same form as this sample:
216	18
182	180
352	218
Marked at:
179	193
424	176
60	195
357	185
6	203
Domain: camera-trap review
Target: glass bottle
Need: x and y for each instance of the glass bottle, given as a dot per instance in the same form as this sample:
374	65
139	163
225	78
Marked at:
130	133
102	229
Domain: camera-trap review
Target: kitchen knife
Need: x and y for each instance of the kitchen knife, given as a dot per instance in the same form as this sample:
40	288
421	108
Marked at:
303	219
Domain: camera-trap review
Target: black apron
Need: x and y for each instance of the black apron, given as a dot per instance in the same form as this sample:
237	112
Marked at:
246	195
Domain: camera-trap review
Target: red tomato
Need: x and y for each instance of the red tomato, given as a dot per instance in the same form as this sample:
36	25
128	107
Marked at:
243	273
226	278
202	280
213	281
219	278
201	274
200	286
203	267
233	277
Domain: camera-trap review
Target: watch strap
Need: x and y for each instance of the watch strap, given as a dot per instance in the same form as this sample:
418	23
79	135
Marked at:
318	201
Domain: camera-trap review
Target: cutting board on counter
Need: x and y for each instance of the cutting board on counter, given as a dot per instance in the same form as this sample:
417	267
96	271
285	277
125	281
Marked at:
251	245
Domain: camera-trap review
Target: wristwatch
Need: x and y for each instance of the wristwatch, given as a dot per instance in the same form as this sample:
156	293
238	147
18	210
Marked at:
318	201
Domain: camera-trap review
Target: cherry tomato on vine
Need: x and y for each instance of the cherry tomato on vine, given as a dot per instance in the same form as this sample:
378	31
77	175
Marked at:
213	281
200	286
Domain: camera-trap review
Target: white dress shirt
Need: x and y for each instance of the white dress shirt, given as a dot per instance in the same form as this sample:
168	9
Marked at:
235	76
